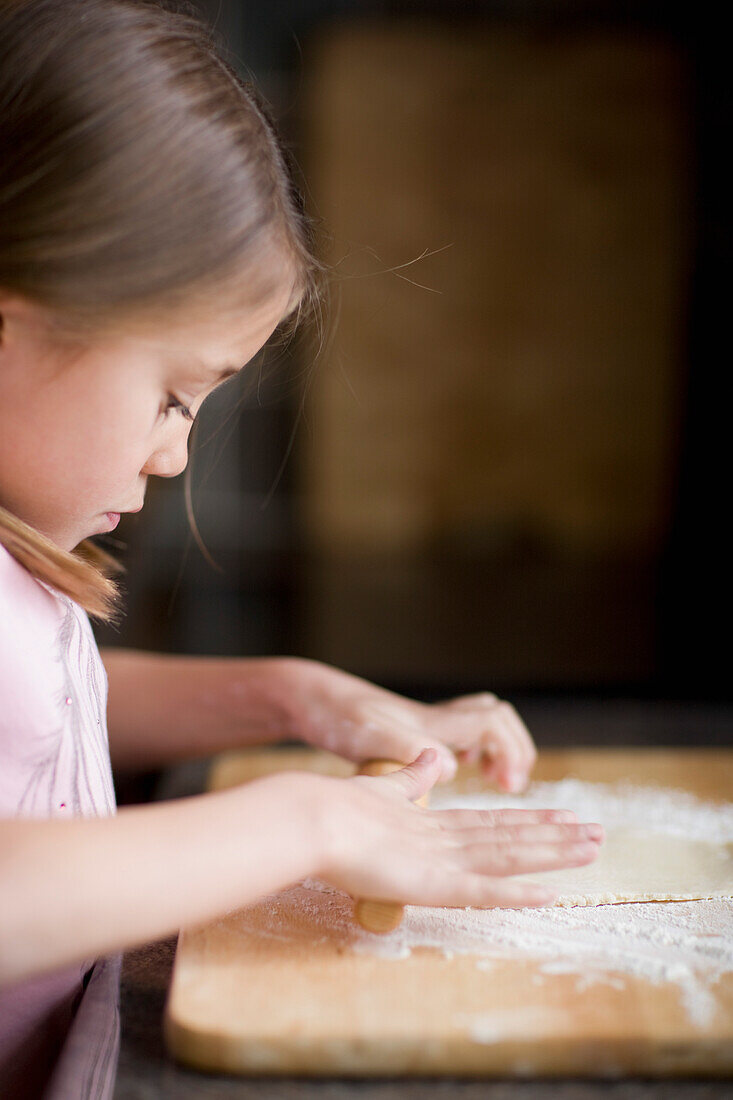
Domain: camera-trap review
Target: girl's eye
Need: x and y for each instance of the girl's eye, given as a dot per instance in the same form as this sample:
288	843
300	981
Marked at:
174	403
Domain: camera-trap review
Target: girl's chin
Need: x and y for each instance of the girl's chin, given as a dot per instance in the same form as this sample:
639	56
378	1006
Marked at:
107	522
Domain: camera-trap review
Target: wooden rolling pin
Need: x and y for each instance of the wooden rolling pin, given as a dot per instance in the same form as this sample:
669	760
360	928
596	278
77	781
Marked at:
372	914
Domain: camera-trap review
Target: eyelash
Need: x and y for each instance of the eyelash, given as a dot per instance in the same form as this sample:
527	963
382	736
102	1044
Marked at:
176	404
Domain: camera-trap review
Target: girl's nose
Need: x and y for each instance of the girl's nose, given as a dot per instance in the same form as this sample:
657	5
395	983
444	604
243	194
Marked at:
169	460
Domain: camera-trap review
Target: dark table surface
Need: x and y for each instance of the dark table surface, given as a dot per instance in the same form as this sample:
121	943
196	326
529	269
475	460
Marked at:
145	1070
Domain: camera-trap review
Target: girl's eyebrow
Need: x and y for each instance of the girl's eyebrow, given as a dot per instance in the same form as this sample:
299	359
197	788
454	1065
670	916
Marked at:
211	376
203	372
228	372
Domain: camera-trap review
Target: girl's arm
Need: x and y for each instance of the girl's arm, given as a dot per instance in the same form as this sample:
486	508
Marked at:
163	708
75	890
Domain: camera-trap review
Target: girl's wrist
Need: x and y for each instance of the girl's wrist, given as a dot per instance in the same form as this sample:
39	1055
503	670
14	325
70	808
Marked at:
285	688
251	700
305	801
298	688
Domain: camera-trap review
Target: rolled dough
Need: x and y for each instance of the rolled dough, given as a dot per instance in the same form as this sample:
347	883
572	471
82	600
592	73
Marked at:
637	865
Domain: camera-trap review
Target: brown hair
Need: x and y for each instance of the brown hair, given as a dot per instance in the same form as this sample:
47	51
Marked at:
139	174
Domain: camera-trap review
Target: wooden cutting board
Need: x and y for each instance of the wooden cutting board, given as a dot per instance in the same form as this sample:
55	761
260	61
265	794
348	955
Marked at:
241	1002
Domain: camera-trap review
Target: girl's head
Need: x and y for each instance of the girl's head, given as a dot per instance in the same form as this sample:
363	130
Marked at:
151	238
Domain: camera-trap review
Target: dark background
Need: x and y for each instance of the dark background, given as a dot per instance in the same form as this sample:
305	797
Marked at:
499	608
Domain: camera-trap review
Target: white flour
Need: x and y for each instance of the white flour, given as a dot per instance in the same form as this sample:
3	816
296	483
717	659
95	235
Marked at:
688	944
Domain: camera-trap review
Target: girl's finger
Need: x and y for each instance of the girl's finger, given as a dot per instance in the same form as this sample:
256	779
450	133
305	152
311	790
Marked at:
469	819
485	699
513	766
470	755
529	753
492	770
524	751
503	859
415	779
505	753
539	833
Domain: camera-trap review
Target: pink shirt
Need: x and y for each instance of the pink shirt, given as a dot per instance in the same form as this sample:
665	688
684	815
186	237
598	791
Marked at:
54	762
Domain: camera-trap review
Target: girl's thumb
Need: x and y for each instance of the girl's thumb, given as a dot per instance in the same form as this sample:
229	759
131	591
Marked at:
417	778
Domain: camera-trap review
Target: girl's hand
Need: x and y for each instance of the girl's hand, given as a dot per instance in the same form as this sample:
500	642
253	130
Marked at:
377	844
359	721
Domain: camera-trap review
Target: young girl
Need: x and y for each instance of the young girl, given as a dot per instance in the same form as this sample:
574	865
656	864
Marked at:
151	242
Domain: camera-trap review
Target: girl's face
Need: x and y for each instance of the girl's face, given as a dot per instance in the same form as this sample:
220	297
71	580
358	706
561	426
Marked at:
80	434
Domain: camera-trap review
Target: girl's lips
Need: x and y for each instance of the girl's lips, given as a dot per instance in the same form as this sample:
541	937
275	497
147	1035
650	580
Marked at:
114	519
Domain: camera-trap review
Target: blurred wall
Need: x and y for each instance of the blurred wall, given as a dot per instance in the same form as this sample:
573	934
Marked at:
498	420
492	474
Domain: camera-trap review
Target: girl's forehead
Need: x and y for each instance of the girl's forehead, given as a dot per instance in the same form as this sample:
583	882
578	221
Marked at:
220	338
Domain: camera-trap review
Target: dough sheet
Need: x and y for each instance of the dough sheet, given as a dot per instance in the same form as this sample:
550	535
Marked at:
635	865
